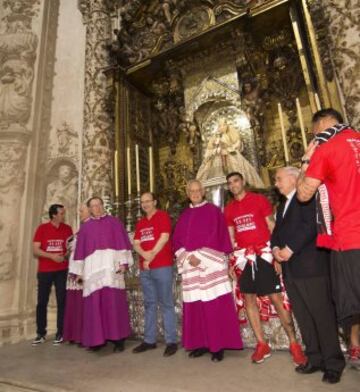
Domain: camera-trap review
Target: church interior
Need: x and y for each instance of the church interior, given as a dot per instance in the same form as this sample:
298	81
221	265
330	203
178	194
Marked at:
112	98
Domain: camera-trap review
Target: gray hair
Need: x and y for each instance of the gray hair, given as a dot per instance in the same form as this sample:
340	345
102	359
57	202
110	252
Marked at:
291	171
194	181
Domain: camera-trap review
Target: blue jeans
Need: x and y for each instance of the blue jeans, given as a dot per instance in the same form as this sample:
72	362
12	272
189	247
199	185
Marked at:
157	288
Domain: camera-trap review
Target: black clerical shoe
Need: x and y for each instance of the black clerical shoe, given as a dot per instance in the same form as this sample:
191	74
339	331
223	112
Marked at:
119	346
308	368
95	349
143	347
331	376
170	349
198	352
218	356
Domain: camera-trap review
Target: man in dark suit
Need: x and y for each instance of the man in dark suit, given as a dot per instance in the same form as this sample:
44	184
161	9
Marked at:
306	278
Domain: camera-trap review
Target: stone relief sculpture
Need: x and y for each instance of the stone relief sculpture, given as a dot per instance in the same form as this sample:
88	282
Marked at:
65	133
223	155
17	54
63	190
12	162
15	88
18	46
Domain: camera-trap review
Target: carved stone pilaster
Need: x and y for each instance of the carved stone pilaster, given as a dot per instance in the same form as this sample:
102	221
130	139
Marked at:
98	132
342	18
18	49
18	46
13	147
337	28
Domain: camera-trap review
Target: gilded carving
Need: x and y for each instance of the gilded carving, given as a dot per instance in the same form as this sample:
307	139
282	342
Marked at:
147	29
193	21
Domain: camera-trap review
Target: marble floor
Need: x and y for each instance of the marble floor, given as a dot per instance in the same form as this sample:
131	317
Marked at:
65	368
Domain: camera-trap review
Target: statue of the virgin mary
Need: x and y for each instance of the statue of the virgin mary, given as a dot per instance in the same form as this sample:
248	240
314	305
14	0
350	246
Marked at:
223	156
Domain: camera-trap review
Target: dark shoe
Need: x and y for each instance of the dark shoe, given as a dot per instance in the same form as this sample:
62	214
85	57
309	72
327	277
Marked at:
38	340
170	349
198	352
331	376
218	356
119	346
143	347
58	339
95	349
308	368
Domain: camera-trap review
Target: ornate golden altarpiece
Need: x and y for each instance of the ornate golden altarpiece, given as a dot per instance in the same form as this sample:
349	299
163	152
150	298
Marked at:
182	65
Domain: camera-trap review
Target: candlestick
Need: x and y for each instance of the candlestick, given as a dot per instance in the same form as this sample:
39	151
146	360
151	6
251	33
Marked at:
301	122
283	133
317	101
137	168
116	173
128	160
151	174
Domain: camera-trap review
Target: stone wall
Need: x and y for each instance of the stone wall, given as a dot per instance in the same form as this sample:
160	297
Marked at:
42	51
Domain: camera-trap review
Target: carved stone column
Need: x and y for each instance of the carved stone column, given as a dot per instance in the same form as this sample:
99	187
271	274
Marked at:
18	47
340	19
98	133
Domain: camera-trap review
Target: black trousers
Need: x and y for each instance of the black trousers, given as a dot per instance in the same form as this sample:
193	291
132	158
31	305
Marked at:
315	313
45	282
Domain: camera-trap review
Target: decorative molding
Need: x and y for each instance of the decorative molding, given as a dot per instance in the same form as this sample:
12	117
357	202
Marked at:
148	29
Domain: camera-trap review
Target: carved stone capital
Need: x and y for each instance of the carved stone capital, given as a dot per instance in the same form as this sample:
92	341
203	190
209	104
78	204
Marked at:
90	7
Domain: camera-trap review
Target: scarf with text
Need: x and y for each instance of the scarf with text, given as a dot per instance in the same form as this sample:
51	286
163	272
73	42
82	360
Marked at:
324	215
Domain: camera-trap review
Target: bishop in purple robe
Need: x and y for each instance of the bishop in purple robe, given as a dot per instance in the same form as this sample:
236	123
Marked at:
102	255
201	242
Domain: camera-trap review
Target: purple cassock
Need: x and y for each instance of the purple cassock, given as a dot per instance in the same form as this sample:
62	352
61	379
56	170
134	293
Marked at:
102	247
73	304
209	314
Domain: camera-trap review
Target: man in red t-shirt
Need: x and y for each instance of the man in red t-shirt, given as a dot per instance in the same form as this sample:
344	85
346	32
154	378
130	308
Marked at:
49	245
333	159
250	221
151	242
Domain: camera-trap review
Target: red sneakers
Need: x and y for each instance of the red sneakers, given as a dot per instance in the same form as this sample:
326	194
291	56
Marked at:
262	351
354	354
297	353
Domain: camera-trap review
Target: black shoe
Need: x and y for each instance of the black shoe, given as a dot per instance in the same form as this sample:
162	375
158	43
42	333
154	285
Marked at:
308	368
198	352
143	347
170	349
218	356
119	346
38	340
331	376
95	349
58	339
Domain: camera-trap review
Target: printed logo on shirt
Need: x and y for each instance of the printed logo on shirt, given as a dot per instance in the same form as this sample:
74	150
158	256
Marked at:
355	146
244	223
147	234
55	246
